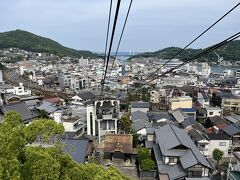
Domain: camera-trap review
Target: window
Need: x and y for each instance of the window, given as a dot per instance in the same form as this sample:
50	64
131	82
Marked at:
210	113
172	160
222	143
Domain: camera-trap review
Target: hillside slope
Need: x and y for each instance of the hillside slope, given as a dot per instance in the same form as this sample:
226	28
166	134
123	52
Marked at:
229	52
31	42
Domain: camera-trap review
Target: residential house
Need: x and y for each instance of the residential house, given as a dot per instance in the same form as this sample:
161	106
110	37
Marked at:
83	97
177	157
26	114
78	149
219	141
140	122
140	106
213	111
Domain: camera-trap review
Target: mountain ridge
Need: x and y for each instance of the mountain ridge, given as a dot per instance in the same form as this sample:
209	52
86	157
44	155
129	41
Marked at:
31	42
229	52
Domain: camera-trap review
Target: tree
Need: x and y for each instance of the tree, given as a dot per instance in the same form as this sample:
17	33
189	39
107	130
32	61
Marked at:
19	159
125	123
44	131
147	164
40	164
217	155
143	153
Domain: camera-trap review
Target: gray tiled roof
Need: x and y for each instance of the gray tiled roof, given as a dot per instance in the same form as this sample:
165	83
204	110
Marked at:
22	109
169	137
138	115
77	149
140	124
48	107
231	129
140	105
86	96
179	115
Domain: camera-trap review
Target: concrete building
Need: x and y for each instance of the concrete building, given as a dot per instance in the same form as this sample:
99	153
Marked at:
19	90
180	102
102	118
73	119
231	103
213	111
64	80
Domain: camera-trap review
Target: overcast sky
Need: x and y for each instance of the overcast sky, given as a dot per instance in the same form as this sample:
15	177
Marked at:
152	25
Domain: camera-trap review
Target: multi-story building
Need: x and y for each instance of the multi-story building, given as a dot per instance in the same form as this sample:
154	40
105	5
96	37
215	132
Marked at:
102	117
231	103
19	90
64	80
73	119
156	95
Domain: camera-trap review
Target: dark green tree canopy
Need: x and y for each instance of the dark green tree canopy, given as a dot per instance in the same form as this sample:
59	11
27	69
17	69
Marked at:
19	159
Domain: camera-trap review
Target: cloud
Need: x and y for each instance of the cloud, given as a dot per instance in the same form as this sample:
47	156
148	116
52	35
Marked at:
153	24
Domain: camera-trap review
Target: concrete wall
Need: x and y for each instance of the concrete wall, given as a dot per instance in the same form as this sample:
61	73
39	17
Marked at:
214	144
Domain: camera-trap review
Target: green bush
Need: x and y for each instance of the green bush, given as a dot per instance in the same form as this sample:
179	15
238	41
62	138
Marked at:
147	164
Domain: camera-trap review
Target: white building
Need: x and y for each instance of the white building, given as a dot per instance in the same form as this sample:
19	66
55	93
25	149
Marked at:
213	111
73	119
83	62
102	118
19	90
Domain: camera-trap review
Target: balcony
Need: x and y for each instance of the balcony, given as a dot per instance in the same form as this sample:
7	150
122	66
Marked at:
107	116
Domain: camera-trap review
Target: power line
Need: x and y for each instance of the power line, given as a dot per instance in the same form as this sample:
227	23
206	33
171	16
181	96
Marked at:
212	48
193	41
120	39
108	27
111	41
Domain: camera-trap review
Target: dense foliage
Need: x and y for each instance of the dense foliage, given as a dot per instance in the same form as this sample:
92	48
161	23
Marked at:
229	52
144	158
31	42
21	156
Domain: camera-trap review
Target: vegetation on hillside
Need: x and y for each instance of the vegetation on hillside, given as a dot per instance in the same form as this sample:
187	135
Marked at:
229	52
31	42
21	158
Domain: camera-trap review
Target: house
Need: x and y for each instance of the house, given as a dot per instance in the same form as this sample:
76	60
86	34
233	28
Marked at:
118	146
213	111
140	106
73	119
78	149
83	97
177	156
26	114
235	167
48	107
191	112
179	115
219	141
140	122
201	140
233	132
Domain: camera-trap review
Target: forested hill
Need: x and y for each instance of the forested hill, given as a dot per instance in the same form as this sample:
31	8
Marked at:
229	52
31	42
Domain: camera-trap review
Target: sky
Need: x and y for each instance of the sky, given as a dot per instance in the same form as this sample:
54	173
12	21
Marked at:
152	24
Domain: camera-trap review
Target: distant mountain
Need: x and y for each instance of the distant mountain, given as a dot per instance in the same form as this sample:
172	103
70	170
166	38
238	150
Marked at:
230	52
31	42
